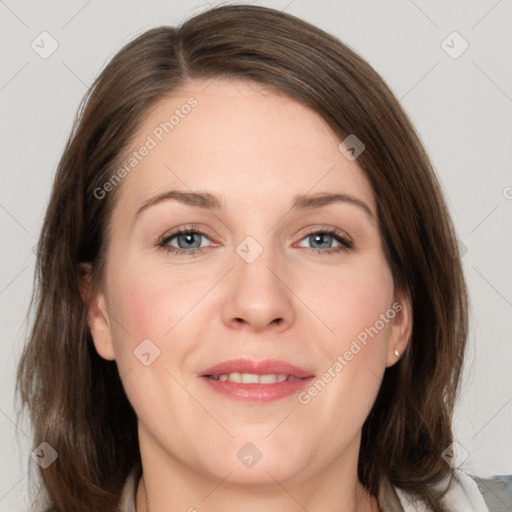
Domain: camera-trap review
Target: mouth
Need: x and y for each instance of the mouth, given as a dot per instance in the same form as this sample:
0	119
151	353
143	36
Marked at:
254	378
256	381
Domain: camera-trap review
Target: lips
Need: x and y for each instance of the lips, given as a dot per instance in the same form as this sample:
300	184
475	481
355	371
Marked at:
266	367
256	381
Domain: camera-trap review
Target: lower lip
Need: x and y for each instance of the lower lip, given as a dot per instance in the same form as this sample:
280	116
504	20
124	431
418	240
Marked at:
257	392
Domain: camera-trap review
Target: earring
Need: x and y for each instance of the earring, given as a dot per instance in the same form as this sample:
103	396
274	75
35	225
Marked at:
397	354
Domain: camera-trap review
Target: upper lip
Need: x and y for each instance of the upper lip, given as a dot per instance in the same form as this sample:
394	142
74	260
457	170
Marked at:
265	367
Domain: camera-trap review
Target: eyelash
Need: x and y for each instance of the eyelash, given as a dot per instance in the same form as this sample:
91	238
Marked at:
345	246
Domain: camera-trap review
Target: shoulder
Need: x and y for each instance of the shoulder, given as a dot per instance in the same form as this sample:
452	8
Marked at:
497	492
467	492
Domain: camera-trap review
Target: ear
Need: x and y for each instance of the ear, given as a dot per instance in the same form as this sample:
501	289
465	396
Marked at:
401	327
97	314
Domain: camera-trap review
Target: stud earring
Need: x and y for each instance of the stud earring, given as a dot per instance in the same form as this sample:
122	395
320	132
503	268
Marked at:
397	354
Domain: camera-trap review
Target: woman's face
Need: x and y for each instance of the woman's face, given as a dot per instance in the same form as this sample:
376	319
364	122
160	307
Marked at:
269	273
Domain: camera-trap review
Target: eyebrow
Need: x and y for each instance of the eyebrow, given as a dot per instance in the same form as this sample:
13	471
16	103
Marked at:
212	202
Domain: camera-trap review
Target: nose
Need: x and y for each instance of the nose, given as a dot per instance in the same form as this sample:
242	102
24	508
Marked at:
258	296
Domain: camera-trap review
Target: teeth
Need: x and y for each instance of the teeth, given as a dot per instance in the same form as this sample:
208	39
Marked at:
268	379
252	378
249	378
235	377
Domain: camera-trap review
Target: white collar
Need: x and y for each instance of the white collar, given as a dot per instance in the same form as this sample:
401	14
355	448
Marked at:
463	495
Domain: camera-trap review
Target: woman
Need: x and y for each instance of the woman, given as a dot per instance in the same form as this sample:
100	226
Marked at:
193	347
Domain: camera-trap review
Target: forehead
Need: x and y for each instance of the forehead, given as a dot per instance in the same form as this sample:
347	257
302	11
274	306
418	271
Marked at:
239	140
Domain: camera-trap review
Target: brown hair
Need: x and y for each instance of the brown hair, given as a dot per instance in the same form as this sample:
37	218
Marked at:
76	399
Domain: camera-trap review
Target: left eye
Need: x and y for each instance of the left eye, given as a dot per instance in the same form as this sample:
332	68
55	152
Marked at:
325	239
186	240
189	242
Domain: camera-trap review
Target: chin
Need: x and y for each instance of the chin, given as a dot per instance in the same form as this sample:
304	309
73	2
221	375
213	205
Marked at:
261	476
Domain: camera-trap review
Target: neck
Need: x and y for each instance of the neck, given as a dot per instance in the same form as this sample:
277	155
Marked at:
173	486
361	501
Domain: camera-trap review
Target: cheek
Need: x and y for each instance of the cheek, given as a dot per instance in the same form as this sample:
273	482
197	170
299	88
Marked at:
356	307
150	304
352	301
148	335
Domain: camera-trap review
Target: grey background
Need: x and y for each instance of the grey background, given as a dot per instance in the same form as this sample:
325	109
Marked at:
461	107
